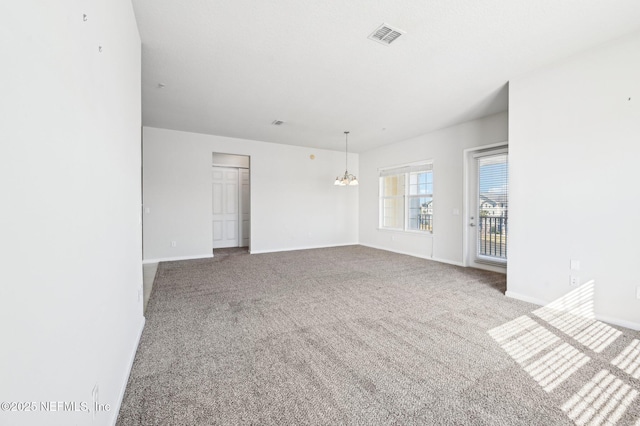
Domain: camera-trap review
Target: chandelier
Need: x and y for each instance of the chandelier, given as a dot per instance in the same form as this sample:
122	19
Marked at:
347	178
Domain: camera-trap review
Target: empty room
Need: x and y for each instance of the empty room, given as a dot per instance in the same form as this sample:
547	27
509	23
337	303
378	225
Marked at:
286	212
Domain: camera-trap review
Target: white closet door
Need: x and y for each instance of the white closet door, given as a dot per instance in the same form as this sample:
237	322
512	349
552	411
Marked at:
225	207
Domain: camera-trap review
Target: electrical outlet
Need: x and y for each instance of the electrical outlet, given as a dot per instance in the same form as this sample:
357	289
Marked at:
174	243
574	281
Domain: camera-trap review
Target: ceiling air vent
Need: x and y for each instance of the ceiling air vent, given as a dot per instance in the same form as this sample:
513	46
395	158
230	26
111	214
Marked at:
386	34
277	122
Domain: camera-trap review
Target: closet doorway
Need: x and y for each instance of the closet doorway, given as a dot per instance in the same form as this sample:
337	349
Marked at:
231	206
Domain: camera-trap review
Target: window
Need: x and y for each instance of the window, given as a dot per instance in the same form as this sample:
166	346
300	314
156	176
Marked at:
392	201
406	198
493	192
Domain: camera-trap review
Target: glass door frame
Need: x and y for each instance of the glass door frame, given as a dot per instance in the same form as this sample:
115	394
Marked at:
469	254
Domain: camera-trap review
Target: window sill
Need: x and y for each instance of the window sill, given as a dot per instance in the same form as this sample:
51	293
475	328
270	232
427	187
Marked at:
402	231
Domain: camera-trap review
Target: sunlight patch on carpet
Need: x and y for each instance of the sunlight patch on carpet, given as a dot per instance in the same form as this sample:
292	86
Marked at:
556	366
523	338
603	400
629	359
573	315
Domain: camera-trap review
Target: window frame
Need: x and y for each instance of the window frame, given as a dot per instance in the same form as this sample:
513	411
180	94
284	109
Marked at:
405	173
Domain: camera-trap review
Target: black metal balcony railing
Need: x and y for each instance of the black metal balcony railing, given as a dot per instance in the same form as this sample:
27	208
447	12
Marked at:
425	222
492	236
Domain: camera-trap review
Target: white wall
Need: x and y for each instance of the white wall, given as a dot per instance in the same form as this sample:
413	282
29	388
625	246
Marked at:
231	160
574	150
70	216
294	204
445	147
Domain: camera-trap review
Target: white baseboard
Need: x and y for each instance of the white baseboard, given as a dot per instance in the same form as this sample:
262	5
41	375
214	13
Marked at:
172	259
301	248
525	298
397	251
603	318
450	262
619	322
489	267
123	388
435	259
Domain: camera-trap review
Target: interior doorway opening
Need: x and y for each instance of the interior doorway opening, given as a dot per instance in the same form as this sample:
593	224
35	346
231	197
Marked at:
231	200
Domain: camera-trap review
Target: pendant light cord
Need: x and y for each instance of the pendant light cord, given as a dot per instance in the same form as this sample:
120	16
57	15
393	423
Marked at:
346	152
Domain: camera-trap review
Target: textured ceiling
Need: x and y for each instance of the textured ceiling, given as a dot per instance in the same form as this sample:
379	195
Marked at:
232	67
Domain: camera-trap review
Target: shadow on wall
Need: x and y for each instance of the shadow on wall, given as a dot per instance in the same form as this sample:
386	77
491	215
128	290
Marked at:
556	341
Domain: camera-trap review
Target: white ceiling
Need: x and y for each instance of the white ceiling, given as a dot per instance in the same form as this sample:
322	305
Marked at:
232	67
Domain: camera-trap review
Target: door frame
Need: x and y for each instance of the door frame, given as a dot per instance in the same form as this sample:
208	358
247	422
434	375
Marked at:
467	157
244	208
239	167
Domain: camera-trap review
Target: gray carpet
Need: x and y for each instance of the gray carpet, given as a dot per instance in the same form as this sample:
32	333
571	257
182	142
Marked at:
354	335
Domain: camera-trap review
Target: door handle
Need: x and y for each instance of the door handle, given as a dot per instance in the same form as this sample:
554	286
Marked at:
472	224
